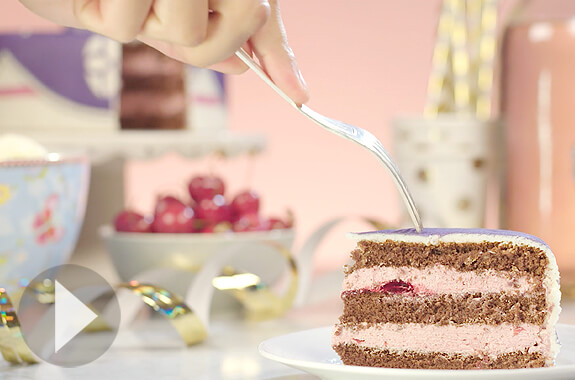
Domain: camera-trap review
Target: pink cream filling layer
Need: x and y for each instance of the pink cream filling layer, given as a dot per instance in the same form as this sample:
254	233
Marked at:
438	279
465	340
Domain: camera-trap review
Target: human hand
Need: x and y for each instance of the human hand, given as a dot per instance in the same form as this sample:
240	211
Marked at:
202	33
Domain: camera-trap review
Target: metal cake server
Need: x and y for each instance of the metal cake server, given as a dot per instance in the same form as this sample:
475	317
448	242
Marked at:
348	131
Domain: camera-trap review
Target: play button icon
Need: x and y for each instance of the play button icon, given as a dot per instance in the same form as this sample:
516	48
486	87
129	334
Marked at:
69	315
69	324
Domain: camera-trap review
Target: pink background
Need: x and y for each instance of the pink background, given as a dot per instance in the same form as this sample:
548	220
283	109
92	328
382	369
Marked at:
365	63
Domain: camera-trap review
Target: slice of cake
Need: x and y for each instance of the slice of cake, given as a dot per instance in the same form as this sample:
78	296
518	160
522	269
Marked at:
153	94
449	299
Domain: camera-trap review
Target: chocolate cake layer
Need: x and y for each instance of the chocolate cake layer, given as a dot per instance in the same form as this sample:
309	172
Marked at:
365	356
491	309
175	122
460	256
156	83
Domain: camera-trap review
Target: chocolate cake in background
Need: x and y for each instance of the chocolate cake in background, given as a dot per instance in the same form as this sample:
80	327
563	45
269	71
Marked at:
449	299
153	94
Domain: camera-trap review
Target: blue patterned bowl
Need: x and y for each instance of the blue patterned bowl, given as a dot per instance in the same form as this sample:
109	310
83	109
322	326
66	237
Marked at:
42	207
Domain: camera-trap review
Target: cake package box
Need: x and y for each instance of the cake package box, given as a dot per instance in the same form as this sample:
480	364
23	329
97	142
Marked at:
71	80
66	80
207	106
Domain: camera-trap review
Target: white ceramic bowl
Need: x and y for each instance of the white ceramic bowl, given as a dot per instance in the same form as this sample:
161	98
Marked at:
42	207
136	253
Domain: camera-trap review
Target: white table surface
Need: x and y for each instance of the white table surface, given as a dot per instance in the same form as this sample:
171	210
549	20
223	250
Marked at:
151	349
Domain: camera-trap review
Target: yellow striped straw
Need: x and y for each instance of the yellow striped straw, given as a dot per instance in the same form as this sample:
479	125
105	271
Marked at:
439	89
486	64
460	57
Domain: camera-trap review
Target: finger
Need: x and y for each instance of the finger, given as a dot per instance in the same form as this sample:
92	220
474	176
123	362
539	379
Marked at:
183	22
233	65
276	57
230	25
60	12
121	20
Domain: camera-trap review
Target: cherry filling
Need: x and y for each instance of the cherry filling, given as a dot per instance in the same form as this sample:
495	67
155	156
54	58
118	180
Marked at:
395	286
392	287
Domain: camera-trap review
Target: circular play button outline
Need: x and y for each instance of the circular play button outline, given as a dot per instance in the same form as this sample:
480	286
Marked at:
69	315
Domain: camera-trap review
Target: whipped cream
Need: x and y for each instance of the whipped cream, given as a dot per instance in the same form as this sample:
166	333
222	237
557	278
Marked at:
18	147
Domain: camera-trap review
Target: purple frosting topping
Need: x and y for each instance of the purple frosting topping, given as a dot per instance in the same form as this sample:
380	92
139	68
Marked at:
450	231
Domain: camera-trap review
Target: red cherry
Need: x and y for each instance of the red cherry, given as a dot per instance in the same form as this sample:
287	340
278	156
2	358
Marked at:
205	187
396	286
246	202
214	210
251	222
131	221
172	216
393	287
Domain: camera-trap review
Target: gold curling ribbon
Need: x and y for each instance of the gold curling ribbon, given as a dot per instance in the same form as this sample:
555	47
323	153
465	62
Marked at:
44	291
12	344
14	349
184	320
159	299
259	301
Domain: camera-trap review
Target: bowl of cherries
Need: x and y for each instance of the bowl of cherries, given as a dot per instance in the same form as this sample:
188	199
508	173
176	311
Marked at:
185	233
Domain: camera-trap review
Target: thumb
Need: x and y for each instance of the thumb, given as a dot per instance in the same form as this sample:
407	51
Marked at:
276	57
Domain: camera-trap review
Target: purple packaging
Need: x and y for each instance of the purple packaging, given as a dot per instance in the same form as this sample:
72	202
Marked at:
70	81
61	81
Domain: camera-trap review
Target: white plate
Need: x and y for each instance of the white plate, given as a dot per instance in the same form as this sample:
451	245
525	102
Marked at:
311	351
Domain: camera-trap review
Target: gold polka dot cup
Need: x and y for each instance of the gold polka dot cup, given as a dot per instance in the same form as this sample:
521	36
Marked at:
447	162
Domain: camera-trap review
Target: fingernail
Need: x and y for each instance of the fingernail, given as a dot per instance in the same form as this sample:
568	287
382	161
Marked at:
300	78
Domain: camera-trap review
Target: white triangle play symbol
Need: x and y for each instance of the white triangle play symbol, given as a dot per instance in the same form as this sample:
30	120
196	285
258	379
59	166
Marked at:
71	316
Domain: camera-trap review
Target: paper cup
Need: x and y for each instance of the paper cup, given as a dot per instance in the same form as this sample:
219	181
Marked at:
447	163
